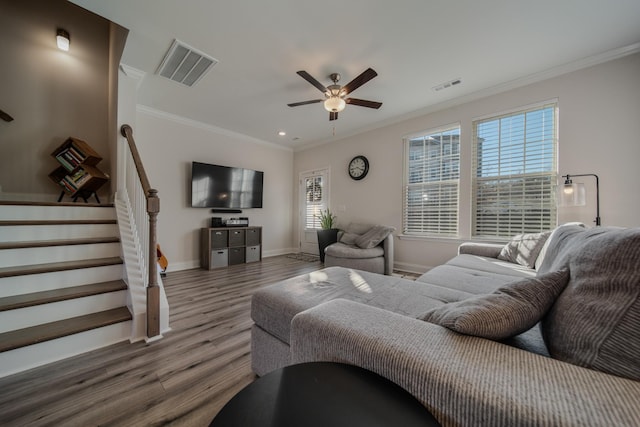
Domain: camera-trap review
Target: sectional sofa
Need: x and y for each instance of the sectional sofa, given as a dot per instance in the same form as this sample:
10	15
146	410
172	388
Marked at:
541	331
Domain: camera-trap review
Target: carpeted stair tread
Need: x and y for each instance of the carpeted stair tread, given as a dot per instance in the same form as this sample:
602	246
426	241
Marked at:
73	204
62	242
58	266
59	222
63	294
62	328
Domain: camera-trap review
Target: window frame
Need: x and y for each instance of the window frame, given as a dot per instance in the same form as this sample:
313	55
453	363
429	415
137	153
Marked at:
443	230
546	180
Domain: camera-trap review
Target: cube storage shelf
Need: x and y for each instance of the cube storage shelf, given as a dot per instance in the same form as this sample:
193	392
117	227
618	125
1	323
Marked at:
224	246
77	174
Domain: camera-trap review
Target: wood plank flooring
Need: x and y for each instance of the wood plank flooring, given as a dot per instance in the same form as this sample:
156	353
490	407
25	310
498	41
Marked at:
183	379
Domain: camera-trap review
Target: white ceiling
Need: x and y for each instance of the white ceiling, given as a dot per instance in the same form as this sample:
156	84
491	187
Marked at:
414	45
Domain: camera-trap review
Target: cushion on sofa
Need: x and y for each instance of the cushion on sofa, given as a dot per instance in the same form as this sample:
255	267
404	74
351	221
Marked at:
341	250
273	307
543	251
491	265
374	236
348	238
510	310
523	249
466	279
594	322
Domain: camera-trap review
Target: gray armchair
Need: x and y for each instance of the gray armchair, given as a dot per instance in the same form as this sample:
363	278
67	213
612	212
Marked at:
362	247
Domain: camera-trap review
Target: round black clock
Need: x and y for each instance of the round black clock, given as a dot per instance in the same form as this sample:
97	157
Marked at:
358	167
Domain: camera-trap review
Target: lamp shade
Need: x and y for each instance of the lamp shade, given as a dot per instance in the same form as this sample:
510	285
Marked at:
334	104
572	194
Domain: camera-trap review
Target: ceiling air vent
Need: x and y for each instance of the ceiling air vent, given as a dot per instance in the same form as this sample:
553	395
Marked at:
184	64
447	85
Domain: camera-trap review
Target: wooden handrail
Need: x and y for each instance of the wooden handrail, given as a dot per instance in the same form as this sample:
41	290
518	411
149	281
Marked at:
153	208
127	132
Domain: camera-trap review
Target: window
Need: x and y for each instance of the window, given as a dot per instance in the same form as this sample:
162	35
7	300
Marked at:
431	183
514	173
315	200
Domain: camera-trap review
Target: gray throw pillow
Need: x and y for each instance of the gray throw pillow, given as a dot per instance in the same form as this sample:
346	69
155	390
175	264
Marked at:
509	311
348	238
523	249
595	323
374	236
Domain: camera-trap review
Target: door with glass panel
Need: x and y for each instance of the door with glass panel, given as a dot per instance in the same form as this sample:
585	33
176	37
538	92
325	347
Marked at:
314	198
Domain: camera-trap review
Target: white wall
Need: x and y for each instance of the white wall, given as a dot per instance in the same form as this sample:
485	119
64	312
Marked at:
169	144
599	132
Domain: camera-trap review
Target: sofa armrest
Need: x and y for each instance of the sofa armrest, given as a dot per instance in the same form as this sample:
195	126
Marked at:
490	250
463	380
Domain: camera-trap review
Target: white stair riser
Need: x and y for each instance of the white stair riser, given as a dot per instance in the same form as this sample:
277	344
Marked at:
28	233
45	255
31	316
24	213
50	351
18	285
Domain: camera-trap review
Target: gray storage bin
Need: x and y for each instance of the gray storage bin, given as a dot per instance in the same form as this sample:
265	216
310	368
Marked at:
236	256
253	236
253	253
219	238
236	237
219	258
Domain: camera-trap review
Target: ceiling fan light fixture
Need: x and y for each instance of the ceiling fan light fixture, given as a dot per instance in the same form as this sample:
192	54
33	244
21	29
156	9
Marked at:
334	104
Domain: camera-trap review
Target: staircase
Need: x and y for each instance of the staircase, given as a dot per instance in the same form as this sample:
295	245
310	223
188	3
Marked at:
61	287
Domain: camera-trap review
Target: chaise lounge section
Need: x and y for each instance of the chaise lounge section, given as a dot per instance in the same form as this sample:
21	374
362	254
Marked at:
580	365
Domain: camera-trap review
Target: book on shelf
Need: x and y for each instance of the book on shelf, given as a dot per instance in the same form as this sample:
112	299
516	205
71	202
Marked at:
83	179
70	158
77	154
68	166
78	175
64	183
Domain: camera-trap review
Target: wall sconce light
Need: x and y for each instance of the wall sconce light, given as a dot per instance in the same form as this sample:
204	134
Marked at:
63	40
571	194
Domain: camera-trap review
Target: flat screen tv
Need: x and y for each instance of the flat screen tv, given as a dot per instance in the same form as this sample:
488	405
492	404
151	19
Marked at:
224	187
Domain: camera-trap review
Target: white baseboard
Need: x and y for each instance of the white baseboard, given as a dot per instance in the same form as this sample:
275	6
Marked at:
185	265
190	265
411	268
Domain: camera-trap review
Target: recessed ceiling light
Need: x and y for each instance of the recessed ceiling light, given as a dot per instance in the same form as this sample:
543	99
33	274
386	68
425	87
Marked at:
282	133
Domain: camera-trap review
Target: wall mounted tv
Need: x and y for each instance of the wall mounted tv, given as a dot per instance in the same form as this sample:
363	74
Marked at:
224	187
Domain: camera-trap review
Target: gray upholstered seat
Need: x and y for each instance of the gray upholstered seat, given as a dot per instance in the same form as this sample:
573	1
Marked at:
363	247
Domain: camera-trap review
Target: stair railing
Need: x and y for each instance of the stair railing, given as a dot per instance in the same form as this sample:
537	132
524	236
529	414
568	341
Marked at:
145	205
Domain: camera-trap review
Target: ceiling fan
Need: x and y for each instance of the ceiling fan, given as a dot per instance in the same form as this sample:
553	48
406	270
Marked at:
335	95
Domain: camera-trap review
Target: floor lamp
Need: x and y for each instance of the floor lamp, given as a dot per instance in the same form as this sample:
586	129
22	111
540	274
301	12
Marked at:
574	194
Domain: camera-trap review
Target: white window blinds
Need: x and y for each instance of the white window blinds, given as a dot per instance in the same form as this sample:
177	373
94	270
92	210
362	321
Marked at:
431	183
514	173
315	200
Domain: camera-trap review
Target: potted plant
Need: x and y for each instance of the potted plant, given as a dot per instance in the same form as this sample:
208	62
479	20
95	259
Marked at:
328	234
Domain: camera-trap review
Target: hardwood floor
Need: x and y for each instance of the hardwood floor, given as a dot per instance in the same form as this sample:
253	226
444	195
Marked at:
182	380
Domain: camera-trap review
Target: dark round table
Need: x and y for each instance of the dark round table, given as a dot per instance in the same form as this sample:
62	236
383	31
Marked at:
323	394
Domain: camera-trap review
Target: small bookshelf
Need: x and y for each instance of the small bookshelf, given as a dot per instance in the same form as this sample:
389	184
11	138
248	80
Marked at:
77	174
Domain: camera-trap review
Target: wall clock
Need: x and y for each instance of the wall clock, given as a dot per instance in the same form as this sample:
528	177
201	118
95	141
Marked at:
358	167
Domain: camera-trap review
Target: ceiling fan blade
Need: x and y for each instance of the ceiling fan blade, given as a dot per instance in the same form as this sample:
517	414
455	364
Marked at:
296	104
333	116
363	103
354	84
311	80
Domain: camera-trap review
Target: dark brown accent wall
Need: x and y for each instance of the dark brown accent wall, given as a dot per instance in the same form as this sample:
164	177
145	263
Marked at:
53	94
